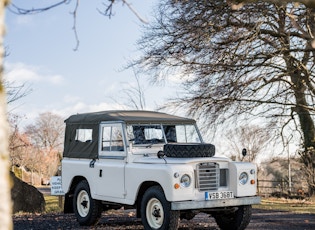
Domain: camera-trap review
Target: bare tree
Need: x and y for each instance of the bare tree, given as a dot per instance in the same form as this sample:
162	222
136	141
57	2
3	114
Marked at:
26	156
16	91
38	150
257	61
23	155
48	131
257	140
134	94
17	142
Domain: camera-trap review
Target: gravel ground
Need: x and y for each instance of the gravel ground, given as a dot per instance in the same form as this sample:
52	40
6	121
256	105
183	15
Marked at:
261	219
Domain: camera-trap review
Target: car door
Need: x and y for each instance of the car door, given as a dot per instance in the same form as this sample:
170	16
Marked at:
110	167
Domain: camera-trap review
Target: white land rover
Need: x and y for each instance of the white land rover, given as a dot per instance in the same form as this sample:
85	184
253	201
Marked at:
156	163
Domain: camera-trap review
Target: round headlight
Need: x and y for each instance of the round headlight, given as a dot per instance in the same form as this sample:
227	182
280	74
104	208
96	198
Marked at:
185	181
243	178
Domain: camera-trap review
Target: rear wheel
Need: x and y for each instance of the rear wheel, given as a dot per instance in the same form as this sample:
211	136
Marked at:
156	211
237	220
87	210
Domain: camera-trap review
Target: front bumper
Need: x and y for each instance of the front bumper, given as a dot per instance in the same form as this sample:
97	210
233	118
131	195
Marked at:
208	204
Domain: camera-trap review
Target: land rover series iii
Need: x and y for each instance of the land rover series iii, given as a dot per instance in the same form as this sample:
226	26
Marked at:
155	163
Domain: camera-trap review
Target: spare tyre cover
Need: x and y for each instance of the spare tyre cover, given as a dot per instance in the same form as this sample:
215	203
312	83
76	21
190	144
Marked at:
189	150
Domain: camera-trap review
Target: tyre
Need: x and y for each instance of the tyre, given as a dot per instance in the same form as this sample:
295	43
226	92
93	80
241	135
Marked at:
87	210
237	220
189	150
156	211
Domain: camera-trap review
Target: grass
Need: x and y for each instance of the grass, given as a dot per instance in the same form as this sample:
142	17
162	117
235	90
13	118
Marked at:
52	204
290	205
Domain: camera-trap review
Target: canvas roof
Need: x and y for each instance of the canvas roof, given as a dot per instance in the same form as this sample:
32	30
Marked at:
128	116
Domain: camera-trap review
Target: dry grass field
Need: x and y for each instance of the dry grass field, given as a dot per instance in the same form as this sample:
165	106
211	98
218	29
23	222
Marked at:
290	205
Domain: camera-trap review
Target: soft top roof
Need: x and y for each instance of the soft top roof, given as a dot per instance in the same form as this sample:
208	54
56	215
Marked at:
128	116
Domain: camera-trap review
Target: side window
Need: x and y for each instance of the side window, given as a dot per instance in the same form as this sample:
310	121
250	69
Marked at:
83	135
112	139
145	134
170	133
187	134
106	138
117	143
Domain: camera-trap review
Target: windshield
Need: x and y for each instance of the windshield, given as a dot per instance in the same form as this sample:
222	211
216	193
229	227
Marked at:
161	134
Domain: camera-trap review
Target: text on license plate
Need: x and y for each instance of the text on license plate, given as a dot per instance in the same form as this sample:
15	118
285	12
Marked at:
218	195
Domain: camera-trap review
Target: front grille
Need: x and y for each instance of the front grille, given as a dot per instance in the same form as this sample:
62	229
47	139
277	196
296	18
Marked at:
208	176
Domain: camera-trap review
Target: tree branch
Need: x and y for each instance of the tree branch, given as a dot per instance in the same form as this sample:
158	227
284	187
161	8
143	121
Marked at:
239	3
109	10
22	11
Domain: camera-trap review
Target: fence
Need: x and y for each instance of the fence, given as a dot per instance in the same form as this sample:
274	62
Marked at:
282	188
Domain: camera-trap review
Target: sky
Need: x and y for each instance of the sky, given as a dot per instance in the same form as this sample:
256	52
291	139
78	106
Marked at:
41	54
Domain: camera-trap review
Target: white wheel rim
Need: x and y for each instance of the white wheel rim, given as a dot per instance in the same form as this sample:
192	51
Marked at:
83	203
155	213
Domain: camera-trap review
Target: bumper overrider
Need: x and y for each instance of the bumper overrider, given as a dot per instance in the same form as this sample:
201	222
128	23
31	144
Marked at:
186	205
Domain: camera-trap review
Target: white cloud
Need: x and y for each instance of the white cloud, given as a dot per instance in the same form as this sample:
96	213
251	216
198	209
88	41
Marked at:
21	73
22	20
70	99
81	107
56	79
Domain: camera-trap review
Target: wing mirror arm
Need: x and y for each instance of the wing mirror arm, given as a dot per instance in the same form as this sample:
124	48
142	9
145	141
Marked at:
92	163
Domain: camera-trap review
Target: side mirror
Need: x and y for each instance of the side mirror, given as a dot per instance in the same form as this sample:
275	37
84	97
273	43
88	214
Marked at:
160	154
244	152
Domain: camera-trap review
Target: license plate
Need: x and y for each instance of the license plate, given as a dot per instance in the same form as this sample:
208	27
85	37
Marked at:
219	195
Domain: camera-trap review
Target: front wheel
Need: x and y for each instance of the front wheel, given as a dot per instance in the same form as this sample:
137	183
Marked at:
156	211
87	210
237	220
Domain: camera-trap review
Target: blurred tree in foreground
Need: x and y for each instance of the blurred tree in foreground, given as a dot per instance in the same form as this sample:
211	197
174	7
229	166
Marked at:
5	188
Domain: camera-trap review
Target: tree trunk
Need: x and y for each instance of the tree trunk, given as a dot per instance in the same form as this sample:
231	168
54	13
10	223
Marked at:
306	123
5	188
